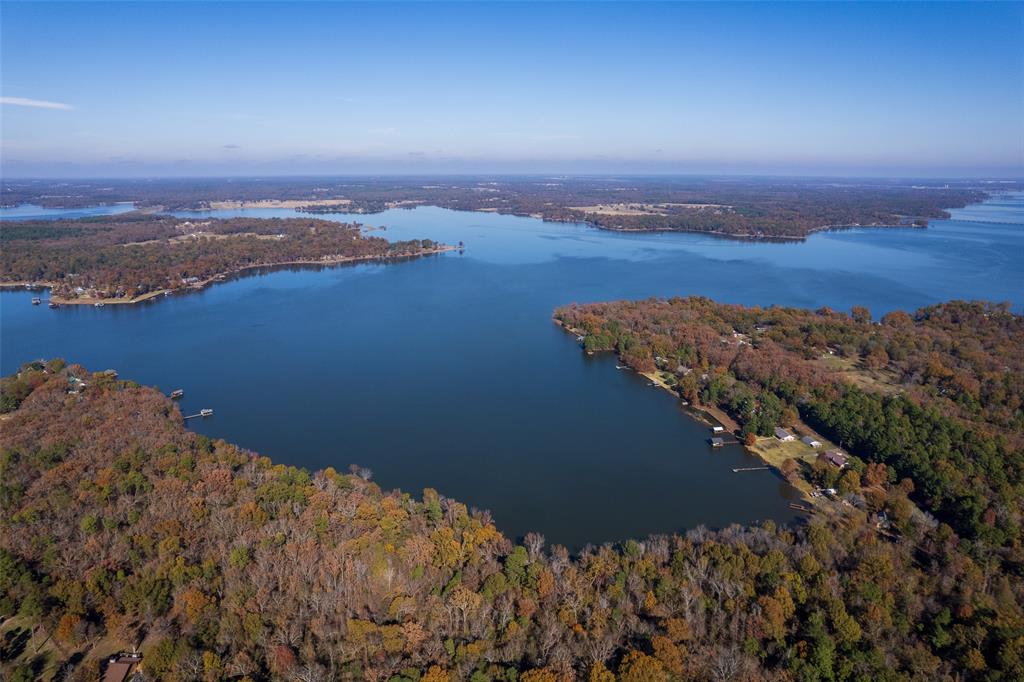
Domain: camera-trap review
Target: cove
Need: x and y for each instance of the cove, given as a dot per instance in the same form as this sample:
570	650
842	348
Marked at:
447	372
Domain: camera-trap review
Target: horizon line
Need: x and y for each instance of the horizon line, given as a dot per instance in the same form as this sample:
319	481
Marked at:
4	178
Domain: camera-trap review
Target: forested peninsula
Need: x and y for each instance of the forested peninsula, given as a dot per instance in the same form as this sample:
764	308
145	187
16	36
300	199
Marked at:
120	528
743	208
135	256
935	396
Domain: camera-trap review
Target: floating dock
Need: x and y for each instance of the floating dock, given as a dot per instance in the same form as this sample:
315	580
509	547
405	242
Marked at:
205	412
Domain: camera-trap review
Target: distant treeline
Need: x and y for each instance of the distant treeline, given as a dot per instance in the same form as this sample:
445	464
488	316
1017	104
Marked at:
752	208
132	254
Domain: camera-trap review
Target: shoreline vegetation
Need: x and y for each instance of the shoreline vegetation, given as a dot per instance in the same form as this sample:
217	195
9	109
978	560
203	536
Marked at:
136	257
936	395
751	236
194	552
223	276
749	209
712	416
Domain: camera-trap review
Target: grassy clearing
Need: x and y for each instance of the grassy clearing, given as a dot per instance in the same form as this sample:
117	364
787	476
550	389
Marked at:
47	657
38	651
852	371
775	452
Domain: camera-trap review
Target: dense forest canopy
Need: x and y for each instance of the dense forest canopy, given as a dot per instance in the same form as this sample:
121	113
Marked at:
133	254
120	528
741	207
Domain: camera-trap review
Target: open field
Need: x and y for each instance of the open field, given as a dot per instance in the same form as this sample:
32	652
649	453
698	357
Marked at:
277	203
852	371
775	452
634	209
619	209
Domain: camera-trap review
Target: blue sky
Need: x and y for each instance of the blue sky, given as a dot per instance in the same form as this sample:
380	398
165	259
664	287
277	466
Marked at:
130	89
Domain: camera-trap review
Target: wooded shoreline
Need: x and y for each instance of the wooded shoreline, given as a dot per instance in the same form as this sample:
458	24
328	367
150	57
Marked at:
221	276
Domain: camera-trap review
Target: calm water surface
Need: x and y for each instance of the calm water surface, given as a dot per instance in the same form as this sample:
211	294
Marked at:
33	212
447	371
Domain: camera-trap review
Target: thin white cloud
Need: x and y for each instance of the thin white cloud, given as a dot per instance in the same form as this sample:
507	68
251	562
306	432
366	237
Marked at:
540	137
36	103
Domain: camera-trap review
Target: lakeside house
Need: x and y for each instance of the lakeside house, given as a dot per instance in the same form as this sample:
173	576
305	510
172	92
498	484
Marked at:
813	442
75	385
717	442
784	435
119	667
836	458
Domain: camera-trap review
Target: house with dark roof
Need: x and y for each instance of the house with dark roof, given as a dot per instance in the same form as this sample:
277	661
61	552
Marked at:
119	667
836	458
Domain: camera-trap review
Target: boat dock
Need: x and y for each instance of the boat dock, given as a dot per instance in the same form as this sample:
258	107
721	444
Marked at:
205	412
741	469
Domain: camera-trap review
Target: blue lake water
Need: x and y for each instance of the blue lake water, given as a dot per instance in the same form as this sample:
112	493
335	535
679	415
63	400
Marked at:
447	371
33	212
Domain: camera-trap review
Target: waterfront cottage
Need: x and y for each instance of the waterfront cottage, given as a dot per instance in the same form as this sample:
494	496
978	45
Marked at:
784	435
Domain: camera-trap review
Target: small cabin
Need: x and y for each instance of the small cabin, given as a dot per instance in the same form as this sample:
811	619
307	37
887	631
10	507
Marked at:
717	442
717	429
119	667
813	442
836	458
784	435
